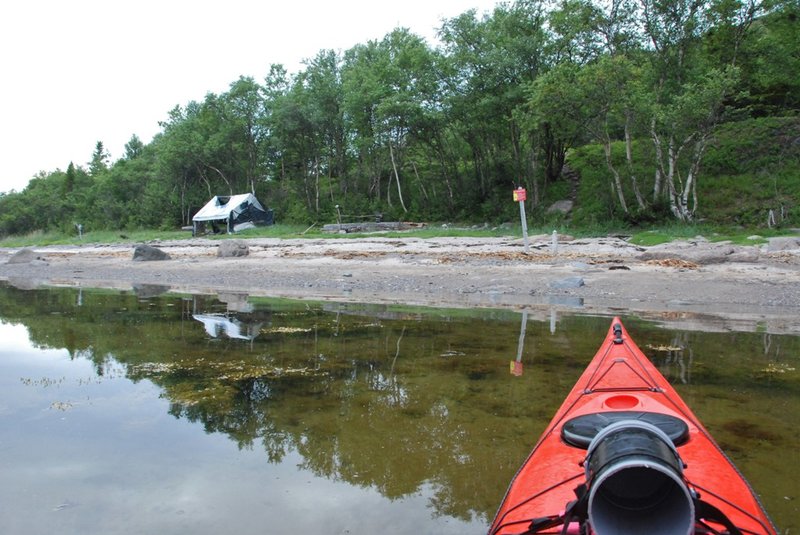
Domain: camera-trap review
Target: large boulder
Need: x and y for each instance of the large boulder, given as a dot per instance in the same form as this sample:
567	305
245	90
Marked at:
148	253
145	291
701	252
568	283
561	207
785	243
27	256
232	249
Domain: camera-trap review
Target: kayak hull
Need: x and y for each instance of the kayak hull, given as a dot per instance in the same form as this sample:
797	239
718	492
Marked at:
621	381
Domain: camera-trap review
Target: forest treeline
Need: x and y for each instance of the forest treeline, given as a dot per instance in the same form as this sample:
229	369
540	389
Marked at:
444	133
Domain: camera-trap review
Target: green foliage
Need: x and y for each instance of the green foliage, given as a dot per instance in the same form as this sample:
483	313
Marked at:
756	168
394	126
594	204
770	61
751	167
668	234
99	162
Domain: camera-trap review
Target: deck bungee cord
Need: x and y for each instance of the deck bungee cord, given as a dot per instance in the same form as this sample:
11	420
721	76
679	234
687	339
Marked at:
625	455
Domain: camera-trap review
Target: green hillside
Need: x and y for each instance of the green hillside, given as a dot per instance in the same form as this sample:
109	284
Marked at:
750	168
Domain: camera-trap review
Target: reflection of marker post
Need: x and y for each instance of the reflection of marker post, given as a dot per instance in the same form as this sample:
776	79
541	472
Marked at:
519	196
516	366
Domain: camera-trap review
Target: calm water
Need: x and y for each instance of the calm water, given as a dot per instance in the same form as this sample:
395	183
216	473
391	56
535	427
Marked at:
148	413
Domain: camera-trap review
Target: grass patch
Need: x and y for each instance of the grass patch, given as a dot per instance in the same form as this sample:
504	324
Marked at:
648	237
440	232
102	236
273	231
737	236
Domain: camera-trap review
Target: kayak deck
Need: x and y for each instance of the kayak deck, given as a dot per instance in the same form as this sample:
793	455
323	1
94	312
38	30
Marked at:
620	380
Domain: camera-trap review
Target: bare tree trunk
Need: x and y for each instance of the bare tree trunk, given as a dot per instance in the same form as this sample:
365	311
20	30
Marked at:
691	178
205	179
222	175
659	159
419	181
183	201
397	178
330	179
375	176
617	184
669	174
674	196
629	162
316	184
446	174
534	167
389	191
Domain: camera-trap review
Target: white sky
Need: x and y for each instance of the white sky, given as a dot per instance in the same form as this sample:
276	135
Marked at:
75	72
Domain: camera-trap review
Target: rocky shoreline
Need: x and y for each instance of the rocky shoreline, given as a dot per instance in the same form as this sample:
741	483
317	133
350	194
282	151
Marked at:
731	287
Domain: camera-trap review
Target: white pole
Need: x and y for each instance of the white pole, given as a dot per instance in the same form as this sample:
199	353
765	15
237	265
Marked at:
524	223
522	328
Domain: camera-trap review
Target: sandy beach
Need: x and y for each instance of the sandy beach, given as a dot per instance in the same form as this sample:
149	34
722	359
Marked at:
729	286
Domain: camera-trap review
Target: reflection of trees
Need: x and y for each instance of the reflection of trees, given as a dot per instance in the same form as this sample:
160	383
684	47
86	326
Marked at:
380	403
397	403
361	426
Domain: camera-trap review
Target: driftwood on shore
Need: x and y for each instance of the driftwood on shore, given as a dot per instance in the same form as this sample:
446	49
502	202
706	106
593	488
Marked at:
371	226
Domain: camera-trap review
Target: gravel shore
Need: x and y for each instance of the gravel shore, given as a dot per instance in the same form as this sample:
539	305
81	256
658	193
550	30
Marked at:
740	287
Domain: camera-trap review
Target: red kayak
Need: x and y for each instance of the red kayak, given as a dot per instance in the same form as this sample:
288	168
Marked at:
624	455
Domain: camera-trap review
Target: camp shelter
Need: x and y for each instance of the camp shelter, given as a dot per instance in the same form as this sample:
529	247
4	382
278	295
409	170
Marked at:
235	211
217	325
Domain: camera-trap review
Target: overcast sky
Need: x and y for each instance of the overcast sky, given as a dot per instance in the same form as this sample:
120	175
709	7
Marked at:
75	72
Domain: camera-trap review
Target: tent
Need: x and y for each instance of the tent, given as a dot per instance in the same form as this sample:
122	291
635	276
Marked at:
217	325
236	211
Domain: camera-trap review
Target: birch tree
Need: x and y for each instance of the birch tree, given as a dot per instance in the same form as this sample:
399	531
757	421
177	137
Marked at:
681	129
688	97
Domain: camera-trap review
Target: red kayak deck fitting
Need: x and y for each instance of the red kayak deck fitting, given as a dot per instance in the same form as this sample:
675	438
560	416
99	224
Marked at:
624	455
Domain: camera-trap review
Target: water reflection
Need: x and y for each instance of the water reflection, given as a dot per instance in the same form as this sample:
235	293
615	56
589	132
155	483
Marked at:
412	411
142	291
217	325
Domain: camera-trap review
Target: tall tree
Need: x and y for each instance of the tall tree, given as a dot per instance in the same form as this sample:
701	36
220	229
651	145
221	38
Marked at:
241	108
489	62
681	129
322	84
592	103
99	162
688	98
133	148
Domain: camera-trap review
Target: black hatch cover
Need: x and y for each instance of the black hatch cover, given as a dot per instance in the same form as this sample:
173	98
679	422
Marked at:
580	431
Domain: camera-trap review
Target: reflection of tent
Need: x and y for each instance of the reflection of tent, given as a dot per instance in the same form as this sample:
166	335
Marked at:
216	326
234	210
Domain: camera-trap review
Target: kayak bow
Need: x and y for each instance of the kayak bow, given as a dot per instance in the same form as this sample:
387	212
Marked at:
624	455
